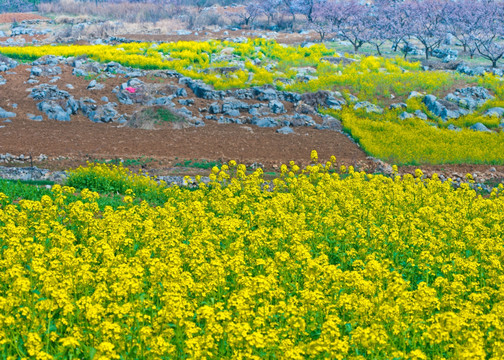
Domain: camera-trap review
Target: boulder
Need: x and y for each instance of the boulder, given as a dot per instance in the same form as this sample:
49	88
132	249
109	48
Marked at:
479	127
445	110
53	110
48	92
264	122
370	108
276	107
405	115
420	114
214	108
496	111
330	123
398	106
285	130
6	114
104	113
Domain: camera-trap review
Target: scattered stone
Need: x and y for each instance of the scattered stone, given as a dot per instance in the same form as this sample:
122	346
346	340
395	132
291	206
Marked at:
398	106
339	60
181	92
439	108
406	115
479	127
496	111
48	92
285	130
420	114
6	114
53	110
370	108
453	127
186	102
330	123
104	113
34	117
104	99
36	71
276	107
214	108
264	122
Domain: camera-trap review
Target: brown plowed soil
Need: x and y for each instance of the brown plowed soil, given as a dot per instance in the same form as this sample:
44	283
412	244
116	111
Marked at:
80	139
69	144
11	17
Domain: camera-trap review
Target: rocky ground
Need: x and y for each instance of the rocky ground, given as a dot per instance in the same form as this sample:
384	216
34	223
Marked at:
58	113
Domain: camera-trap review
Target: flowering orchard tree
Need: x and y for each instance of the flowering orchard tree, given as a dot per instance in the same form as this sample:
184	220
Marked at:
489	33
426	22
463	19
249	13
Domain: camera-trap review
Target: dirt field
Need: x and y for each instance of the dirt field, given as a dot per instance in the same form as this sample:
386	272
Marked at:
11	17
74	142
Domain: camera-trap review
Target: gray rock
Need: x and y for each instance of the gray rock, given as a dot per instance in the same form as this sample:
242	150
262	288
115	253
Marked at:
6	114
184	112
184	32
36	71
79	72
330	123
285	130
370	108
181	92
406	115
414	94
276	107
470	97
299	120
440	109
92	84
479	127
234	113
48	92
87	105
264	122
234	104
265	94
398	106
445	54
165	100
454	128
104	99
53	110
496	111
420	114
104	113
34	117
2	80
186	102
47	60
214	108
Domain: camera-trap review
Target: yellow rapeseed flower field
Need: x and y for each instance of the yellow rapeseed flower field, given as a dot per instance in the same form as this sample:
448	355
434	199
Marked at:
318	264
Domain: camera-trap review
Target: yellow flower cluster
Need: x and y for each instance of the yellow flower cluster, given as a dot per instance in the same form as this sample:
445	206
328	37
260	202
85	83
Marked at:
415	141
108	178
319	264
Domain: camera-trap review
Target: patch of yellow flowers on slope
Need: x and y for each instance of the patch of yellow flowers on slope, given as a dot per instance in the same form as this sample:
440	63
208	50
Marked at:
322	264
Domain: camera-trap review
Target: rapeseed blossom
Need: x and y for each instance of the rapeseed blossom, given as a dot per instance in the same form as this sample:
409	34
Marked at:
325	264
